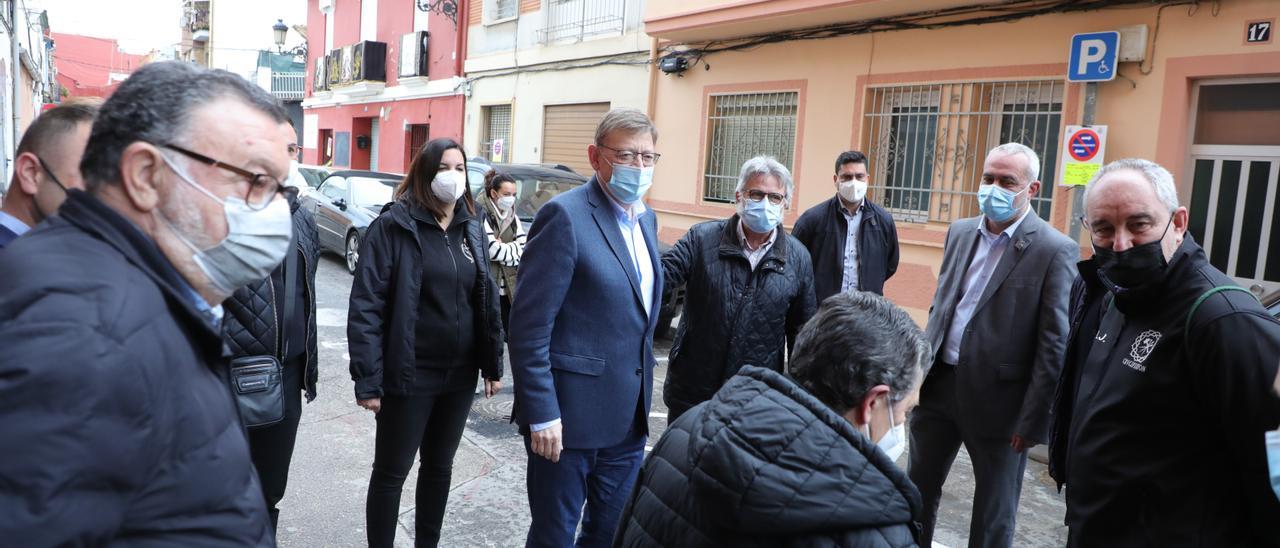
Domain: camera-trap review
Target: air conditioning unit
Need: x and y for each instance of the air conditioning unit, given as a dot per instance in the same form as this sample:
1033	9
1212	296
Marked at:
413	54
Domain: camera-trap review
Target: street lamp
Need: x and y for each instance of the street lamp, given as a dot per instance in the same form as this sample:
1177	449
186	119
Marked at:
280	29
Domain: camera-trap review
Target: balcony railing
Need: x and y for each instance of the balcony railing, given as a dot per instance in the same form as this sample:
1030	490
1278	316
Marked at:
288	86
575	20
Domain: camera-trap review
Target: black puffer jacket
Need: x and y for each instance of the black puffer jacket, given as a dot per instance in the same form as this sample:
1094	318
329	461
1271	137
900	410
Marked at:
117	420
733	316
765	463
251	325
385	296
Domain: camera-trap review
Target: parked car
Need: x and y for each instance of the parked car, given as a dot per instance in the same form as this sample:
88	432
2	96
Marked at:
536	184
344	205
314	175
1272	302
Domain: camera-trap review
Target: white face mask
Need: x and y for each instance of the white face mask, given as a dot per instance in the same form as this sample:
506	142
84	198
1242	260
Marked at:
256	241
448	185
893	442
505	203
853	190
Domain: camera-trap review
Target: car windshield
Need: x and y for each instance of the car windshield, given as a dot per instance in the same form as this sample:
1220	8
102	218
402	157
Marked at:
367	191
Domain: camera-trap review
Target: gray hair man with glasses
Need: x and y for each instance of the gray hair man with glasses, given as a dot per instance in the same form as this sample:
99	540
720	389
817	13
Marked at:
590	287
1168	385
113	380
749	290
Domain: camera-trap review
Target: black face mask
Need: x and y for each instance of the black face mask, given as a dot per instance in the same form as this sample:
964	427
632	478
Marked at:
1136	266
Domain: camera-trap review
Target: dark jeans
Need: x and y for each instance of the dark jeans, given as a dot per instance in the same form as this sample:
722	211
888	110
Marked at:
600	478
271	447
430	423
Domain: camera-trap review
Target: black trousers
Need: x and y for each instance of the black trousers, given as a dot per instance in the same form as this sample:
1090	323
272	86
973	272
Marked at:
271	447
431	424
506	317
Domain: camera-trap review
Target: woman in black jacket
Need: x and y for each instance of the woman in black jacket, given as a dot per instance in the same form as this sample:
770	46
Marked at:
423	322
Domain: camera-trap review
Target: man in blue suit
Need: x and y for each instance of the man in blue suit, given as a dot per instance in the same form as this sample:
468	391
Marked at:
590	285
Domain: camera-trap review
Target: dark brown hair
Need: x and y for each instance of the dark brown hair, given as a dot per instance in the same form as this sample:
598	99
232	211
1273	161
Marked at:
494	179
416	186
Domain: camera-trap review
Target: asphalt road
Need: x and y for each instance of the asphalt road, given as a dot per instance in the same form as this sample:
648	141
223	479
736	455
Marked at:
324	504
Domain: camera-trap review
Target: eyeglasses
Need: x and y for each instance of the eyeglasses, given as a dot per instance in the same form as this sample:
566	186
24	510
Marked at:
774	197
262	187
628	156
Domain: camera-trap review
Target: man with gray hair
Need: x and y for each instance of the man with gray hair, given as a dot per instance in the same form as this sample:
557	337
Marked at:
113	391
799	460
998	327
749	290
1168	384
590	285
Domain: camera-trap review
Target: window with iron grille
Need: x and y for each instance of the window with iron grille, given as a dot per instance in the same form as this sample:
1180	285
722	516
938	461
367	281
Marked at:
497	126
742	126
576	20
500	10
927	143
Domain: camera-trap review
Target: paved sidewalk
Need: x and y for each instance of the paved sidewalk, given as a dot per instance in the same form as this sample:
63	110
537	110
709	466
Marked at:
324	505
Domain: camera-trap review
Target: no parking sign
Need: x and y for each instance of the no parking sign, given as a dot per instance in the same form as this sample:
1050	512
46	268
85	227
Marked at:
1083	151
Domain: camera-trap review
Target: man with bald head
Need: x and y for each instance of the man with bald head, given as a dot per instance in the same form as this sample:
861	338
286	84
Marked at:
113	391
1167	387
47	164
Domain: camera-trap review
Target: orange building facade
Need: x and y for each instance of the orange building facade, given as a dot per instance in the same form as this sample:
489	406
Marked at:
1200	96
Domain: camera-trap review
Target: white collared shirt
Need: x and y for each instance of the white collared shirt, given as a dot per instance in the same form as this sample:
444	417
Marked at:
754	256
990	249
849	281
12	223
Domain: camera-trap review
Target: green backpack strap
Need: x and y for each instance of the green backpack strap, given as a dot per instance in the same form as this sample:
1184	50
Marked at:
1206	295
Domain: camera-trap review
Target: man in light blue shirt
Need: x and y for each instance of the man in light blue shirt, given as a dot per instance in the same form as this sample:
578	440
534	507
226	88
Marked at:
998	326
583	363
47	164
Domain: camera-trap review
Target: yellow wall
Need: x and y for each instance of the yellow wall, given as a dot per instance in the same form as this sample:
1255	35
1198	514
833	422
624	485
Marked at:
830	74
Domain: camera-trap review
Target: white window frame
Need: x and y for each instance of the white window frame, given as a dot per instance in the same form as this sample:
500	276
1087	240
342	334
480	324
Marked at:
491	9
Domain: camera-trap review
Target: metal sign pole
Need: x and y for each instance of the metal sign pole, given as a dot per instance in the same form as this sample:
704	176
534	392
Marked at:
1077	193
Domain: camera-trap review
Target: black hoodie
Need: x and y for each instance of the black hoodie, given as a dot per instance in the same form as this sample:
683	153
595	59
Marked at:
383	322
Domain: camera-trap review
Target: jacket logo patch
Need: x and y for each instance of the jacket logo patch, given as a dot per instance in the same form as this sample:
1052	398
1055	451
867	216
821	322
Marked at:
1142	347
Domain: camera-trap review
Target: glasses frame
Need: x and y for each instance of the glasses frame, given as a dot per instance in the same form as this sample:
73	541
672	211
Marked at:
256	180
780	198
622	156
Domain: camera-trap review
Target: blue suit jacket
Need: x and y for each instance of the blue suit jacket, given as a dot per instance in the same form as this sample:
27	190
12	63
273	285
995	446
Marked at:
581	342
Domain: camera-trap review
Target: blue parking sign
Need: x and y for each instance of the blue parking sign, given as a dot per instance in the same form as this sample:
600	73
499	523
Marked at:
1093	57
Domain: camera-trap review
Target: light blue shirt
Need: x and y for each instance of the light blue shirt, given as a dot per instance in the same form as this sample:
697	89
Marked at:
633	235
990	249
850	279
12	223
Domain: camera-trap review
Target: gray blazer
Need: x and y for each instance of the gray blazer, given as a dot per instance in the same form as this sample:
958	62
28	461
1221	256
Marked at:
1013	346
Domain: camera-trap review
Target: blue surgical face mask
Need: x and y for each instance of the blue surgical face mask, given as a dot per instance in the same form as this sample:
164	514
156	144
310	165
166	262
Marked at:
761	217
1273	459
997	203
629	183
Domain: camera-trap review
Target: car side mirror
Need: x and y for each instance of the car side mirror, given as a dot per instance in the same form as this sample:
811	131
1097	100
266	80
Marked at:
340	203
